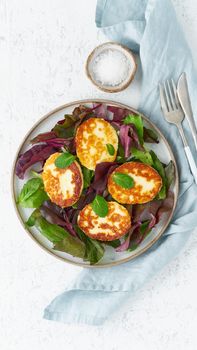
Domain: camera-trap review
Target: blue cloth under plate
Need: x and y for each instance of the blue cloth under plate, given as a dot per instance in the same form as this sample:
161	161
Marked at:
149	27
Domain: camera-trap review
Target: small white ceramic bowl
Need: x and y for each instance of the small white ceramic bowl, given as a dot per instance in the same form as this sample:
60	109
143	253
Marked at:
101	49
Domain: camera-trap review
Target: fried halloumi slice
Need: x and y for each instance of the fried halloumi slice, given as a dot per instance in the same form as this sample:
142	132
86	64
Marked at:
92	138
113	226
63	186
147	183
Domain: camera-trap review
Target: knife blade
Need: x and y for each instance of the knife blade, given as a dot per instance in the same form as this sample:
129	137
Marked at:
183	95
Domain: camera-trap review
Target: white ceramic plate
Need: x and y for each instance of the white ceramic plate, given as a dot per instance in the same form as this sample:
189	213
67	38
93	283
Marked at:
111	257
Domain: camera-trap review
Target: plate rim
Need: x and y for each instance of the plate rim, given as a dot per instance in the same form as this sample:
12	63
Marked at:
117	104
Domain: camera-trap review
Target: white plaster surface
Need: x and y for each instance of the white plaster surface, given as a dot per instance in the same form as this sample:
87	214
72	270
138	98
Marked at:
43	46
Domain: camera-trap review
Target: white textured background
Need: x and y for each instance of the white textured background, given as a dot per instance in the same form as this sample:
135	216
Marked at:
43	46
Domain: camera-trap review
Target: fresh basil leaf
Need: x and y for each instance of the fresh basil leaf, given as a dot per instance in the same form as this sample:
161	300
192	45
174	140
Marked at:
157	165
64	160
111	149
150	136
100	206
32	194
94	250
87	177
170	173
144	157
137	121
123	180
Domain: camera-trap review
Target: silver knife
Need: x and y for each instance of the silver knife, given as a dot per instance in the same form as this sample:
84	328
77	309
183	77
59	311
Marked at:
183	95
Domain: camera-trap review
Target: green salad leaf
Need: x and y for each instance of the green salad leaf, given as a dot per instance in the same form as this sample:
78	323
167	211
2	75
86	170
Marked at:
115	243
144	227
170	173
157	165
137	121
111	149
123	180
120	154
64	160
144	157
71	245
94	250
36	174
150	136
87	177
100	206
67	128
61	239
32	194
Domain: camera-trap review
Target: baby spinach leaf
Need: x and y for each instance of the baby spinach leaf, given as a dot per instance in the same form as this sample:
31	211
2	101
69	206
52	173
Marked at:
120	154
64	132
62	240
144	157
66	128
137	121
100	206
110	149
32	194
72	246
87	176
144	227
94	250
52	232
123	180
33	218
64	160
36	174
115	243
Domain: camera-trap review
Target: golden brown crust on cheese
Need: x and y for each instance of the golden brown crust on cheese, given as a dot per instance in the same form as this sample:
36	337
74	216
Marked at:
54	182
91	139
113	226
147	183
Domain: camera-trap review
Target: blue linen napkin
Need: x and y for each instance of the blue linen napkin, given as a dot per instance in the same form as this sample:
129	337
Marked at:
150	28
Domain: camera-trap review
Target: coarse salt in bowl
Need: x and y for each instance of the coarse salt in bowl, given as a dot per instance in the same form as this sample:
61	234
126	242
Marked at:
111	67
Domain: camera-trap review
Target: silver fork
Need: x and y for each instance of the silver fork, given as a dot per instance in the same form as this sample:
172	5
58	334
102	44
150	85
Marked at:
174	114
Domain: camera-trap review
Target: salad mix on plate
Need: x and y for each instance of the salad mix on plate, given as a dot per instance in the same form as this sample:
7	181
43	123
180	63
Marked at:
98	183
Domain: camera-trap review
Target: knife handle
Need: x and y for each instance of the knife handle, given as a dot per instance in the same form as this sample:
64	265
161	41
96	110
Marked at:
192	125
191	162
188	153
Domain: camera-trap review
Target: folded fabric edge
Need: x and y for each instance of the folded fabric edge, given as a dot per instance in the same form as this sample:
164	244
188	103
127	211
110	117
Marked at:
77	318
99	11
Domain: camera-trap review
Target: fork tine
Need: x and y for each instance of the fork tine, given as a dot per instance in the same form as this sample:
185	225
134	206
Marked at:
169	106
172	99
162	99
175	93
